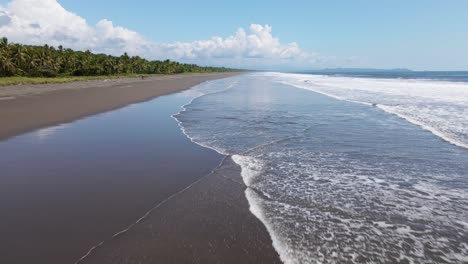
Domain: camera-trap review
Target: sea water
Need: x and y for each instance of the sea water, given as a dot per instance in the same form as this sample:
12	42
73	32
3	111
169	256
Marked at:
345	169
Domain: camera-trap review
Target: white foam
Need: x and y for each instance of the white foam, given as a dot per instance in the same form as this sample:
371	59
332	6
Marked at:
439	126
440	107
251	168
287	256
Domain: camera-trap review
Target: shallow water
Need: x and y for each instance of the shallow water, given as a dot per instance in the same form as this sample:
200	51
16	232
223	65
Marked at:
336	181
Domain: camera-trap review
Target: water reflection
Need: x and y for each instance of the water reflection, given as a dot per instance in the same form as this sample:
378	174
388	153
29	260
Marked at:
47	132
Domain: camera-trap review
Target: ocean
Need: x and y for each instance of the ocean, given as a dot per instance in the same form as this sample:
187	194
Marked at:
347	168
452	76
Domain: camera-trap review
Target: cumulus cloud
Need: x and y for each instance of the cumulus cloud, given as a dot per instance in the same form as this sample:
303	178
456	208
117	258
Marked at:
47	22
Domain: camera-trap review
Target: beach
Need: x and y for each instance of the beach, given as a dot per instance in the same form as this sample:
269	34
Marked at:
233	132
122	186
27	107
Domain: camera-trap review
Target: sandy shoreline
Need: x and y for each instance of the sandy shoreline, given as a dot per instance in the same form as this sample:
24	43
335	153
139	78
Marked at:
24	108
69	191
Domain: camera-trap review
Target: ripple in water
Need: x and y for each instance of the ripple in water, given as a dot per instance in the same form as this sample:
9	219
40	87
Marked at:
338	182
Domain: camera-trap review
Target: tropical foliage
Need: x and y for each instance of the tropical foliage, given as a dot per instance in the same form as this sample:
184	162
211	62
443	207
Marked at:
48	61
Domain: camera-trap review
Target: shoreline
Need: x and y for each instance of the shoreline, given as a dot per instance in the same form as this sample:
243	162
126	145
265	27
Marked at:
24	108
207	222
246	240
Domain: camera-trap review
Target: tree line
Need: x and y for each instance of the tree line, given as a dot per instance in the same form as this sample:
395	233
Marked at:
48	61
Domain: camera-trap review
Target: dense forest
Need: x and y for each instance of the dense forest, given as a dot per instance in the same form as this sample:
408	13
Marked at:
48	61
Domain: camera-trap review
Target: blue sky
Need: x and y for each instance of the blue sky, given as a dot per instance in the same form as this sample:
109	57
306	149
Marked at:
426	35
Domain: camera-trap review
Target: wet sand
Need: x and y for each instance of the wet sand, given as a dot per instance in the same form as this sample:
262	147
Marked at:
206	223
66	189
24	108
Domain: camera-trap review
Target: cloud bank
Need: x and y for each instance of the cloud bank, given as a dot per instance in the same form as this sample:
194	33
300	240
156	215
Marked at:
42	22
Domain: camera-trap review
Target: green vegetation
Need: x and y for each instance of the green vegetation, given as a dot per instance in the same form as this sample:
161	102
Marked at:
64	79
30	64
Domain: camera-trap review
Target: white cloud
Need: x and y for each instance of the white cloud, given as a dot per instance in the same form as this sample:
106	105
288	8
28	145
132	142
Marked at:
47	22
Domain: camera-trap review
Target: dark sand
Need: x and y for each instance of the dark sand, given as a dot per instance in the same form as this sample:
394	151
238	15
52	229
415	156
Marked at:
24	108
64	194
207	223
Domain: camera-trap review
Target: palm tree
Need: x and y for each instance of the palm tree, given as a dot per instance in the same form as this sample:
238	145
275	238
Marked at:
7	67
3	42
19	54
69	61
109	65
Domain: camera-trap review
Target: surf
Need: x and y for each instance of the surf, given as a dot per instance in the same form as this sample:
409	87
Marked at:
440	107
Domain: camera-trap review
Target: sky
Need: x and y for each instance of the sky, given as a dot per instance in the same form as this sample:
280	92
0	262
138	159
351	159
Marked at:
254	34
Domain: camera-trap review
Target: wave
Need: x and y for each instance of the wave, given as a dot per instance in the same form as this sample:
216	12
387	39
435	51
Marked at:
250	169
440	107
433	128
